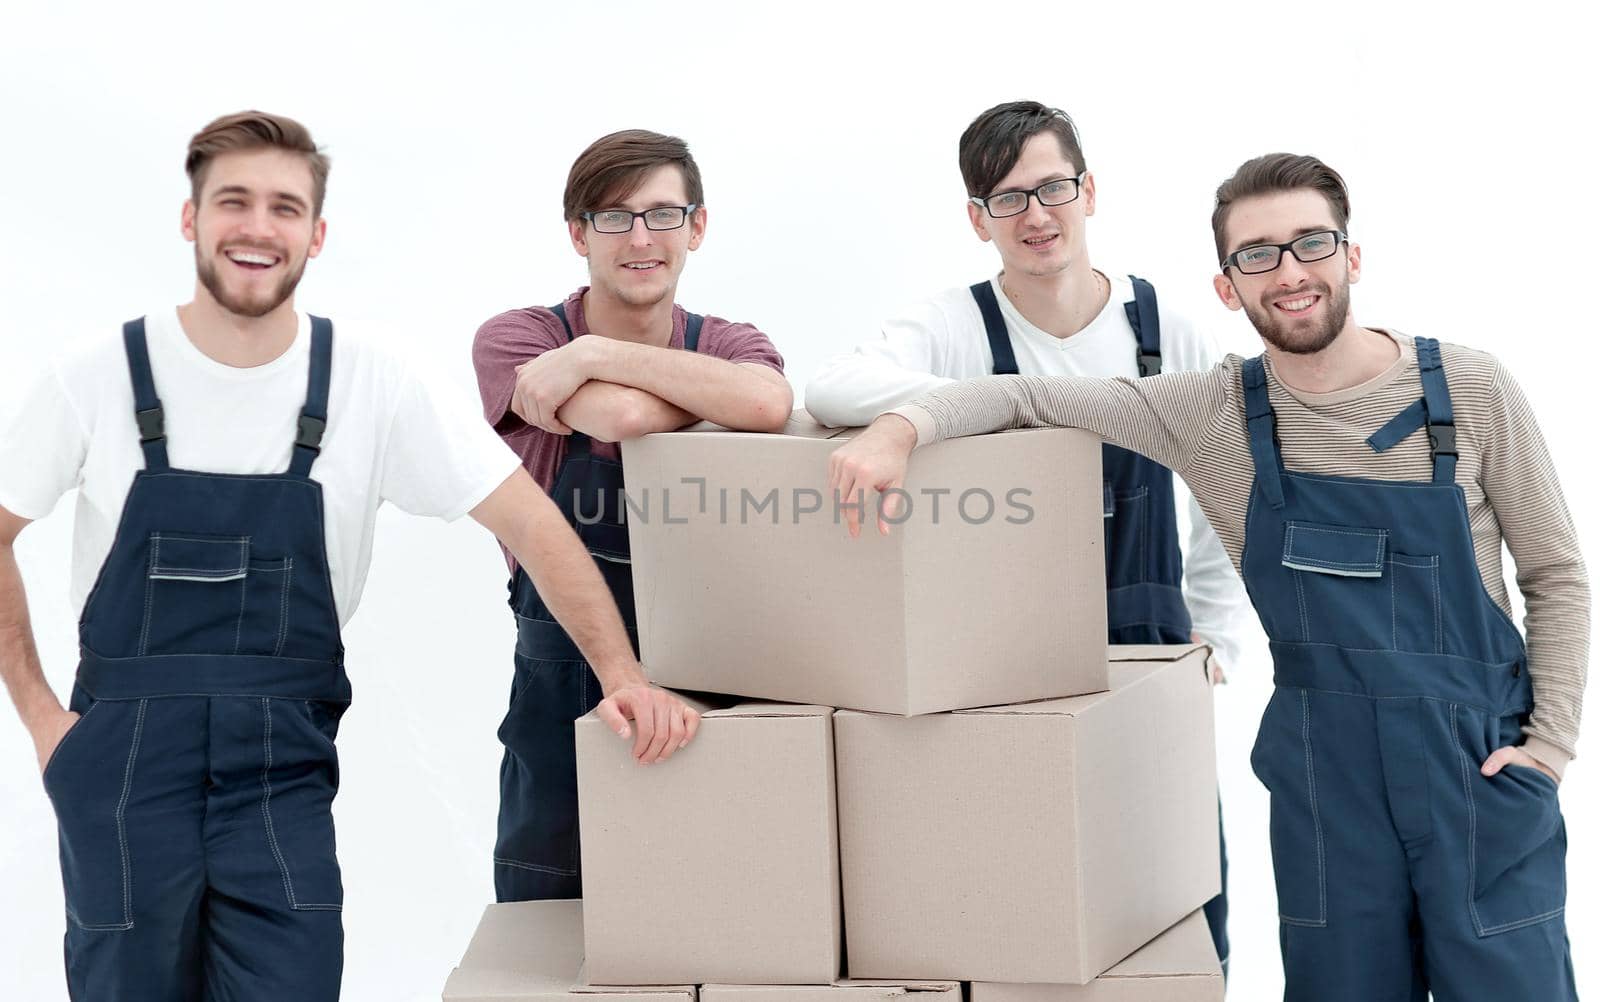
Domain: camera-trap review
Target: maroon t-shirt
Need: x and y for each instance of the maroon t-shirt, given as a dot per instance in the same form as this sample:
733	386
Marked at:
514	337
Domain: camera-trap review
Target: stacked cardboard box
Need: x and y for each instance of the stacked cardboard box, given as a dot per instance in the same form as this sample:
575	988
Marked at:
993	801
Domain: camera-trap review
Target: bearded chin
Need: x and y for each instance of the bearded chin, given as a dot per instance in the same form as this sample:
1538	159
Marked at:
213	283
1305	340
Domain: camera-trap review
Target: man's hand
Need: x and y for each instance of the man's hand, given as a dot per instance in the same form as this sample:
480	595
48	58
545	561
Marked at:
662	723
874	460
1512	755
48	732
547	382
1213	666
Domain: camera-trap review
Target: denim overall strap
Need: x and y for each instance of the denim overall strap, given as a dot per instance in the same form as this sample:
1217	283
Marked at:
1441	415
1146	324
994	325
314	415
1263	428
146	405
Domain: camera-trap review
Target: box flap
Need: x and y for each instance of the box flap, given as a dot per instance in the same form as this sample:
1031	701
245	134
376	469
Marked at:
800	425
1185	949
770	710
530	951
1151	652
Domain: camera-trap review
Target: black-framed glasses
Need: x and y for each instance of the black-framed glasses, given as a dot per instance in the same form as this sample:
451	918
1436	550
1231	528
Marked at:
1258	259
662	217
1011	203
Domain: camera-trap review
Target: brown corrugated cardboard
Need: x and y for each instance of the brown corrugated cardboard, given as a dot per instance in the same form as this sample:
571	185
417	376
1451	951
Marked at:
531	951
849	990
1040	842
720	864
1180	965
991	592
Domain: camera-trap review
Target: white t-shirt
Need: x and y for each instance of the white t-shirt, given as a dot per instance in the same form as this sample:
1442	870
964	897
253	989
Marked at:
943	340
391	437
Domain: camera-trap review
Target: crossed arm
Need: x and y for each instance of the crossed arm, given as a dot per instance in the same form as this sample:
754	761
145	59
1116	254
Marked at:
613	390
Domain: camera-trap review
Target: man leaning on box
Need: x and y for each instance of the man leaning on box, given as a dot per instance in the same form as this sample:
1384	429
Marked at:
615	360
1049	312
1364	482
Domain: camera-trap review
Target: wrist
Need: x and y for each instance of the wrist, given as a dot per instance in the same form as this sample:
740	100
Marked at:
619	675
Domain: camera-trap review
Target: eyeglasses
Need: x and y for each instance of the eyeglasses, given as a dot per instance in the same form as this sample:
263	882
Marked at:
1010	203
662	217
1258	259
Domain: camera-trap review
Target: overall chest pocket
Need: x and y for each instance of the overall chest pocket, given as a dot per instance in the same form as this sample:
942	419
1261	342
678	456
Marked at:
1353	590
1127	525
211	595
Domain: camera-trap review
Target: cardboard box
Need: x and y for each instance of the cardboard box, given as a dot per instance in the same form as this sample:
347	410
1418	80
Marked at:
720	864
1180	965
531	951
1041	842
747	582
850	990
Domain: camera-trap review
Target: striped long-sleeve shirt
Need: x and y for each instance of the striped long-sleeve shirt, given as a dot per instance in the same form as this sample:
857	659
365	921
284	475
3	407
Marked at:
1193	422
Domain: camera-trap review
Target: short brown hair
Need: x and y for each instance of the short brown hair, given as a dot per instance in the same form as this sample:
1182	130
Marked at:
614	166
1275	172
993	142
255	130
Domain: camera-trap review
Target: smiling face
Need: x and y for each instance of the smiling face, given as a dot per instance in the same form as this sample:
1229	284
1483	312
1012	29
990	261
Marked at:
1043	240
1297	308
253	229
640	268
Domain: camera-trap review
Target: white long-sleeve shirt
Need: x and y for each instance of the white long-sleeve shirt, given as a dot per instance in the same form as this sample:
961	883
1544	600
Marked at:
943	340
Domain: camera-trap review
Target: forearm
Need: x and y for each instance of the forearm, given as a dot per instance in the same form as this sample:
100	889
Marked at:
853	389
609	412
19	656
740	397
532	528
1134	414
1218	604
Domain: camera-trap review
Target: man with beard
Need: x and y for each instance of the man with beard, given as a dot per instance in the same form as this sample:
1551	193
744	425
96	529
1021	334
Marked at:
230	458
1364	482
562	385
1050	312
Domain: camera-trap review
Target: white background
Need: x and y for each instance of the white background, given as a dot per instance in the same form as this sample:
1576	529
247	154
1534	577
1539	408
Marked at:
827	138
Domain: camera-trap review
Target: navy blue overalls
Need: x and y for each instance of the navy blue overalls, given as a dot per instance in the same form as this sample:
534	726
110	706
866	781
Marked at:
536	852
1144	563
194	795
1400	868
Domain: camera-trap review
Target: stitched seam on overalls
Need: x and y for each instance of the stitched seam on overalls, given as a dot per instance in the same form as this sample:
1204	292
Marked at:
1300	591
1438	610
266	813
122	833
534	866
283	611
149	593
1316	822
238	625
266	796
1472	848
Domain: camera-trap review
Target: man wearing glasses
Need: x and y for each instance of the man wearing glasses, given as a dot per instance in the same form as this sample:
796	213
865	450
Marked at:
1049	312
1364	482
562	400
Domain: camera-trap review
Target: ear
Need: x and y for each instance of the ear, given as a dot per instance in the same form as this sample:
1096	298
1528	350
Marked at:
186	222
1088	194
1226	292
978	217
579	232
1354	265
319	233
697	227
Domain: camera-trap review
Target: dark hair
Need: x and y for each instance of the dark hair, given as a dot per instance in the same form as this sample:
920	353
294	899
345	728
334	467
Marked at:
255	130
993	142
614	166
1277	172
